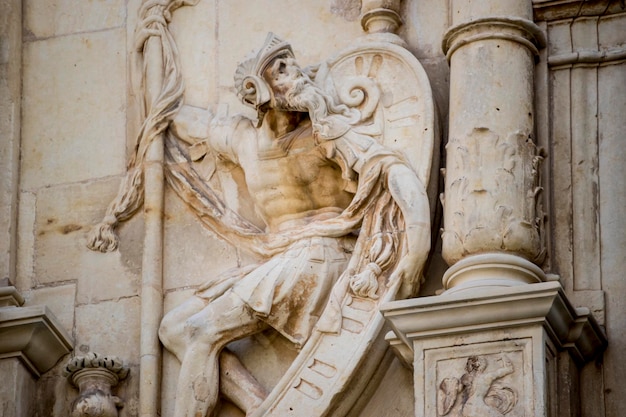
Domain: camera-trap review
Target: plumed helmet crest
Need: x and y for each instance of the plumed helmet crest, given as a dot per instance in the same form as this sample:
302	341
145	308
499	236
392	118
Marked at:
249	83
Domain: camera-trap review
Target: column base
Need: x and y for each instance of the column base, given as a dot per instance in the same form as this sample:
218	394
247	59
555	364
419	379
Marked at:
490	270
494	353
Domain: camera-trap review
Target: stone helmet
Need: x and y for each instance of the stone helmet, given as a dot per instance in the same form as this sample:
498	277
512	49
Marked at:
249	83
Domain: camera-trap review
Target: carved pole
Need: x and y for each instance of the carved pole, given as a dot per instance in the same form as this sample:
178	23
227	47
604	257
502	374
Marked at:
152	260
162	86
162	89
492	214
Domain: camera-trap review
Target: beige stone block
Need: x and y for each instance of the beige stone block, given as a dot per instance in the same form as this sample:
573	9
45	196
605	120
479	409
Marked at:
585	34
73	109
324	35
44	19
65	214
194	29
192	254
611	30
560	38
26	241
110	328
424	26
60	300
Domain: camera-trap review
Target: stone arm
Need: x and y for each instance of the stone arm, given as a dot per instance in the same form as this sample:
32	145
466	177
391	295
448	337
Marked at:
204	132
505	370
410	195
223	137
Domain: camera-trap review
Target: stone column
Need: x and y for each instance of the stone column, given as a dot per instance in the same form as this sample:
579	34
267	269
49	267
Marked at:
10	118
492	215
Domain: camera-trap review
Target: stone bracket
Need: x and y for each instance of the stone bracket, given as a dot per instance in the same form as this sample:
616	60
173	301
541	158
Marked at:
34	335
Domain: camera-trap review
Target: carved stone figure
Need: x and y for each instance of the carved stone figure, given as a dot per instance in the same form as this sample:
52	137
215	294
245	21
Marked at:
477	394
302	165
335	165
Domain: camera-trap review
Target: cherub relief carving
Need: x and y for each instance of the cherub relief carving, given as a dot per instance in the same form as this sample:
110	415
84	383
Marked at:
346	218
477	394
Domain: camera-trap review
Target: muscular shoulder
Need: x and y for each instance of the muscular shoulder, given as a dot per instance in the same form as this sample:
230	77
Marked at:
229	135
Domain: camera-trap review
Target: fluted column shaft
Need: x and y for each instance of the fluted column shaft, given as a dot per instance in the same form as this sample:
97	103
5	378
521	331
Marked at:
492	215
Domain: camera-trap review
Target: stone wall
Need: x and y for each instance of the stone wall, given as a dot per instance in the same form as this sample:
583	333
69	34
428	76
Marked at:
70	115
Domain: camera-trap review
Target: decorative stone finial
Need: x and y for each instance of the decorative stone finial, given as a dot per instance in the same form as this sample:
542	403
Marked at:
94	376
381	16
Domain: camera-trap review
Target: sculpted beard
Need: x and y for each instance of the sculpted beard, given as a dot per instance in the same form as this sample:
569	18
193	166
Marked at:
305	96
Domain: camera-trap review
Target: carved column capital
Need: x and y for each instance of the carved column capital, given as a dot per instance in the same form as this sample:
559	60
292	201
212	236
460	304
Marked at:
514	29
94	376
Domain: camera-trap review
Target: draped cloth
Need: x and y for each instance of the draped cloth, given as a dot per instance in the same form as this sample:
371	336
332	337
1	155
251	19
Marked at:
372	212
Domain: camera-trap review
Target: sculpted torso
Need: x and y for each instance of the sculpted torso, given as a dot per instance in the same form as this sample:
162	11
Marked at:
289	178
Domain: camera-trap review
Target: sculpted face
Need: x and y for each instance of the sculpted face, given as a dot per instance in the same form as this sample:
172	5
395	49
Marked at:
286	81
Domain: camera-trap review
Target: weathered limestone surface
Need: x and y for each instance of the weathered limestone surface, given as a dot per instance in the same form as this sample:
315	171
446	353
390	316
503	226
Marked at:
18	388
584	86
70	113
10	118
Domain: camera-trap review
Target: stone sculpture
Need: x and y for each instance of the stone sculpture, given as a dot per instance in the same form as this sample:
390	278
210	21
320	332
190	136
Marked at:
477	393
335	164
301	164
94	376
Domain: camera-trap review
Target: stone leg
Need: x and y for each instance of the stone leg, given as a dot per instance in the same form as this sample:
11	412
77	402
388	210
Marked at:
206	333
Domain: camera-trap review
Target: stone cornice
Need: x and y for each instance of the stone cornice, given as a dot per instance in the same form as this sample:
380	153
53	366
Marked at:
34	335
509	28
491	309
550	10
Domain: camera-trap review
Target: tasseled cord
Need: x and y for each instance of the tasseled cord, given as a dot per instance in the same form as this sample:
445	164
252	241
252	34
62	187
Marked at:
365	283
102	237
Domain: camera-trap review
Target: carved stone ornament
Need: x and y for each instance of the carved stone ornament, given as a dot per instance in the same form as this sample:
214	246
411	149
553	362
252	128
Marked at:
94	376
336	166
492	214
478	392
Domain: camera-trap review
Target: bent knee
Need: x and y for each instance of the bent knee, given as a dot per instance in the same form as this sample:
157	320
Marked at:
169	331
197	330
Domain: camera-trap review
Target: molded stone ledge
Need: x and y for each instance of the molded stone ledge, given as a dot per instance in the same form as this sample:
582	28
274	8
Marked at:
9	297
551	10
34	335
569	328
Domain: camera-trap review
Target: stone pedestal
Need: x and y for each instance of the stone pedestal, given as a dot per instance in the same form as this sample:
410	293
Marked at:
31	342
494	352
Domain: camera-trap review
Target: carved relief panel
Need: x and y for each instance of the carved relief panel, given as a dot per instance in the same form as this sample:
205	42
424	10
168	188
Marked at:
480	380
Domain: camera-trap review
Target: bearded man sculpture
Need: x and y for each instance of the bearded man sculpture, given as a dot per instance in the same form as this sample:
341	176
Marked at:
313	180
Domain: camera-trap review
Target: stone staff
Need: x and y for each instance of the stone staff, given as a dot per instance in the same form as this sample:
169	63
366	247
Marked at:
162	89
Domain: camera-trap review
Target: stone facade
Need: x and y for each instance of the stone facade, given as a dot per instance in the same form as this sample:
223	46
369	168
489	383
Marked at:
530	100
